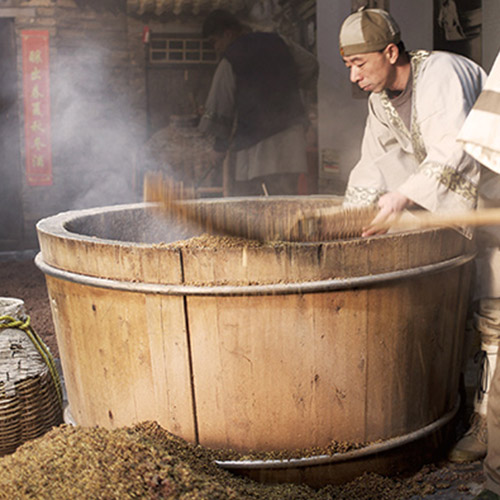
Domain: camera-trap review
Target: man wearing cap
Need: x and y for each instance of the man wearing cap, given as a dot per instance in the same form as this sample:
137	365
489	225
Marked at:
418	102
410	155
255	108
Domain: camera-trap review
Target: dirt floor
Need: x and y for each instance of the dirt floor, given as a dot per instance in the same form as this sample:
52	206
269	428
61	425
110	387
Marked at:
23	280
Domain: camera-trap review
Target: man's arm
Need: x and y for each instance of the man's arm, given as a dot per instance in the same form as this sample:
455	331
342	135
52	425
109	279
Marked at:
381	164
218	117
447	178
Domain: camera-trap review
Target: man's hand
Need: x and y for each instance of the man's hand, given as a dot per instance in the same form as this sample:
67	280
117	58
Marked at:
391	205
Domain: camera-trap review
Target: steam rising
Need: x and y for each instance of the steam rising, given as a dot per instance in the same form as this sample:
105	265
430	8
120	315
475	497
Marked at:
94	143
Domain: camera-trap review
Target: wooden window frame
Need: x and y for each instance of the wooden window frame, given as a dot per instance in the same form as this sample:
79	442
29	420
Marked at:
176	50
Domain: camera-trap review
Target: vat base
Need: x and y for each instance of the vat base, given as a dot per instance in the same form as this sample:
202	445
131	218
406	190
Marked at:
403	454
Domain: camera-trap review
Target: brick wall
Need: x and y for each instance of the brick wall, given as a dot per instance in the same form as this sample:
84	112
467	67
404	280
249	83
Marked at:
98	111
98	102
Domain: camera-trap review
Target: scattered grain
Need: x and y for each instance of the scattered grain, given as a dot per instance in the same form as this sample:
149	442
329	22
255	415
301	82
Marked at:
145	461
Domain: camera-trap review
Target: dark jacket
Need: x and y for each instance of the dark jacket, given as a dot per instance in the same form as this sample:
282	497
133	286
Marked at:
267	97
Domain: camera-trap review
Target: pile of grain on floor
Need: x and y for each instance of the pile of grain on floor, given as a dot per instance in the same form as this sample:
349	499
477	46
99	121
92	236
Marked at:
146	461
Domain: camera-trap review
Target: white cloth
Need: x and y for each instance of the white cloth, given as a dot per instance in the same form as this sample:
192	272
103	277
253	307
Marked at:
426	163
282	153
480	137
480	133
487	282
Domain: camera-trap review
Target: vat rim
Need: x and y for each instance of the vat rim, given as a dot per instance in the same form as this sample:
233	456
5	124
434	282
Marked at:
246	290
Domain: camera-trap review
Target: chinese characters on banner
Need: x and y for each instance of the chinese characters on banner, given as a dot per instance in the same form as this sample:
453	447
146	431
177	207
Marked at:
36	93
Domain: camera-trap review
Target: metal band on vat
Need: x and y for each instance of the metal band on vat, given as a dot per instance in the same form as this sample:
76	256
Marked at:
267	289
387	445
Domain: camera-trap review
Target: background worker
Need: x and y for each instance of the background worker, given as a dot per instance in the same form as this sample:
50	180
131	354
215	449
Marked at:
255	108
480	137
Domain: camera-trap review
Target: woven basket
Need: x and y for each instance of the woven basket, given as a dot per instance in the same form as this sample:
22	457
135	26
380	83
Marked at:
30	391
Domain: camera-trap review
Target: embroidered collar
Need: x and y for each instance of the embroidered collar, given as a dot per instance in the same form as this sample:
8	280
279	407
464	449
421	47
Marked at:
414	135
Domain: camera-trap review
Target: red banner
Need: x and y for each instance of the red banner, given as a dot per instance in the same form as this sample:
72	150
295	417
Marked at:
36	92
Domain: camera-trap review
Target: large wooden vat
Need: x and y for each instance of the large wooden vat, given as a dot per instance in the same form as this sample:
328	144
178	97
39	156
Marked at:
270	347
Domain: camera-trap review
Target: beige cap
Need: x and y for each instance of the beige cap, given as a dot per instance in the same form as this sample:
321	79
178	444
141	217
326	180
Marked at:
368	30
